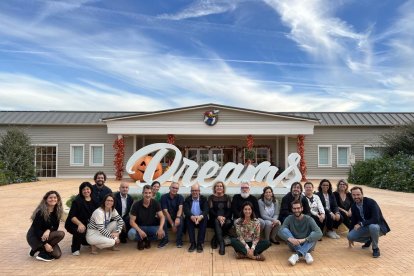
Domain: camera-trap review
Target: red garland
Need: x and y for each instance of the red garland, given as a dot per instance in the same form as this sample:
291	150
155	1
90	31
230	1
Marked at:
250	142
171	139
301	151
119	147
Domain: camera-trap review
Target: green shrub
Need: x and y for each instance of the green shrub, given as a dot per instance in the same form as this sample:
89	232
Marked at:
3	179
393	173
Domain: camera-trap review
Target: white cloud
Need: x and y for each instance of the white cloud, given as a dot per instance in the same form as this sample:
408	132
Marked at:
202	8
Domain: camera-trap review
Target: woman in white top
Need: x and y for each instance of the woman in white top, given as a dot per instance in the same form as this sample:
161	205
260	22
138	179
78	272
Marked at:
315	205
104	226
269	211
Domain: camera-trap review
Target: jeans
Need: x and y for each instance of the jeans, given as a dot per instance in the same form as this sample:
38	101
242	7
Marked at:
179	234
365	233
151	232
301	249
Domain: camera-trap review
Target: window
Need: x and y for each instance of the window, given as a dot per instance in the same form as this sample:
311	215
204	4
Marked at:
45	160
371	152
325	156
343	155
259	155
77	155
96	156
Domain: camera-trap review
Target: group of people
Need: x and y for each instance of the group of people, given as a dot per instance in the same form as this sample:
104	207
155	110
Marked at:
100	219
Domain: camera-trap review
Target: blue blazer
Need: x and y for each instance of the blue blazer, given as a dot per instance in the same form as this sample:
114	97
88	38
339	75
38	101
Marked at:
118	204
372	215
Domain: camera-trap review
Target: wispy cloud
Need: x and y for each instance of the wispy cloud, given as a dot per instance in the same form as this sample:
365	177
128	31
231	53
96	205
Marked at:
202	8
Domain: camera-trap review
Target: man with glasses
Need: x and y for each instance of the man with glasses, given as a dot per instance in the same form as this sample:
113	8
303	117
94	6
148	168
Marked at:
301	233
172	207
196	211
240	199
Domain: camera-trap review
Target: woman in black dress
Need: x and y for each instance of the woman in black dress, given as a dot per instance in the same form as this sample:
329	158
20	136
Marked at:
344	201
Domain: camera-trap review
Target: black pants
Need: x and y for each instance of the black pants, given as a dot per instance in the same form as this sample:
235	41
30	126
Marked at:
346	220
54	238
221	230
330	223
320	224
78	239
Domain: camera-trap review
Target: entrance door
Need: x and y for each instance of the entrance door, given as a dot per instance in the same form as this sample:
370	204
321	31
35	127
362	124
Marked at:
202	155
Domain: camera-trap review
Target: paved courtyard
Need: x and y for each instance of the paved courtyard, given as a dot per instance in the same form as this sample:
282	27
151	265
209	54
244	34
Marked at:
332	257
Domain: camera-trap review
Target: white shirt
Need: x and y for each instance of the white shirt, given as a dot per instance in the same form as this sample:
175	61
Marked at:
124	204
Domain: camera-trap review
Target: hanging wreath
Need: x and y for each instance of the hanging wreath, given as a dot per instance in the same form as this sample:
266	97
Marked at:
119	147
301	151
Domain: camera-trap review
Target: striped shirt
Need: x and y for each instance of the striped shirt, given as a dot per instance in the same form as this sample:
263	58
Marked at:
97	221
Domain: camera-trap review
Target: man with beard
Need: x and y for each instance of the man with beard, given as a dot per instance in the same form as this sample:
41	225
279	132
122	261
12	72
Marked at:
239	199
301	233
99	190
367	222
294	194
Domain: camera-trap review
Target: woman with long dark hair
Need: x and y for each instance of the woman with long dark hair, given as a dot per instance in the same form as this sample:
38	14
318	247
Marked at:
219	205
43	235
78	218
269	210
248	243
332	216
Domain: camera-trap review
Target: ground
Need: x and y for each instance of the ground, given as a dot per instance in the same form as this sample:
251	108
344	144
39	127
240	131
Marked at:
331	256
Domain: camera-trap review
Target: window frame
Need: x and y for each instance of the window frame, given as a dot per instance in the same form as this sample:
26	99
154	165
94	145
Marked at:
329	165
369	146
91	164
348	163
72	164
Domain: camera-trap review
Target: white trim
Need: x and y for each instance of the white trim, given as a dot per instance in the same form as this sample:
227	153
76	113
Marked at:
329	165
199	128
71	155
370	146
286	151
347	158
91	164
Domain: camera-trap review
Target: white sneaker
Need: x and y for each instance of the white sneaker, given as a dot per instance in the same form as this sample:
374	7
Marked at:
337	236
293	259
308	258
76	253
331	234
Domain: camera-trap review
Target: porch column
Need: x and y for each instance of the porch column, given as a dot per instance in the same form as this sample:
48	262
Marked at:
286	151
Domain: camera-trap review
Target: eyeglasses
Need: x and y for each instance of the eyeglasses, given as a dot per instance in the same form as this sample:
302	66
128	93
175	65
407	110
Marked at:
195	190
174	188
110	200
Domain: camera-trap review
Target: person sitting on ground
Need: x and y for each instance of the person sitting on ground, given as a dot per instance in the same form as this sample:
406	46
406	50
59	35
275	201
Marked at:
301	233
317	212
104	226
269	210
196	215
344	200
332	216
155	190
172	207
146	220
43	235
99	189
294	194
367	222
219	205
239	199
248	243
123	206
78	218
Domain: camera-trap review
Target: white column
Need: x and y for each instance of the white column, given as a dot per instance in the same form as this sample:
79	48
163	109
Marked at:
286	151
277	152
134	146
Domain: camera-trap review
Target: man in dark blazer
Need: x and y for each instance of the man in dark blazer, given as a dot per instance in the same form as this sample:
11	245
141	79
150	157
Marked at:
123	206
367	221
196	211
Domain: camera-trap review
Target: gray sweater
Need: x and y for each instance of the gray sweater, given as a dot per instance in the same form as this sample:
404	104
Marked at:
300	229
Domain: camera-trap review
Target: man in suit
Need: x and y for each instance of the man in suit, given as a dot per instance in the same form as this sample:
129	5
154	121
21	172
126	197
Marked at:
123	206
367	222
196	211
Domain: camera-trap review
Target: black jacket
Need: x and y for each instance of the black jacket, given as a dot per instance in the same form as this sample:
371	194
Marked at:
372	215
237	203
118	204
332	203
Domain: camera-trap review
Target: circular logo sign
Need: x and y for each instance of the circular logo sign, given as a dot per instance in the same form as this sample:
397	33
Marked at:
211	117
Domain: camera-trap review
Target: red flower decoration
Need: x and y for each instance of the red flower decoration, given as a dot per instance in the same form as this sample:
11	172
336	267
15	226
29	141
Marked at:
119	147
301	151
250	142
171	139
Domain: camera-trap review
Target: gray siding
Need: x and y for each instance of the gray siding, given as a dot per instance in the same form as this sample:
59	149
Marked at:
357	137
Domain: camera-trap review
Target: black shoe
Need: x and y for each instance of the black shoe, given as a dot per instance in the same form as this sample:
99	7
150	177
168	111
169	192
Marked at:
214	243
140	245
274	241
43	256
222	250
192	248
32	252
147	243
376	253
123	240
367	244
163	243
199	248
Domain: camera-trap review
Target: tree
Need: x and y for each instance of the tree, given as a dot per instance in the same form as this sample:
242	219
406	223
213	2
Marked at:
17	156
399	141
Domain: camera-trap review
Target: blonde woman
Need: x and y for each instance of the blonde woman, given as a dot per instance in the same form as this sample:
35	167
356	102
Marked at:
43	235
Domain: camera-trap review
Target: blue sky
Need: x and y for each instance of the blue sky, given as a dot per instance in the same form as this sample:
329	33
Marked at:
271	55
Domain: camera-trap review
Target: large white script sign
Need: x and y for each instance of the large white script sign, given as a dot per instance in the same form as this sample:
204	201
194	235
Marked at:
230	172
